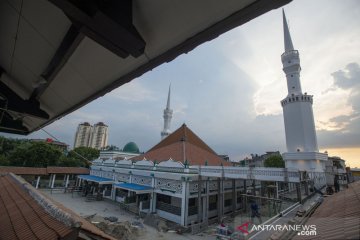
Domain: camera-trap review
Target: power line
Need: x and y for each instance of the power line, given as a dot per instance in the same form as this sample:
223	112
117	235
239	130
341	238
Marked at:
60	141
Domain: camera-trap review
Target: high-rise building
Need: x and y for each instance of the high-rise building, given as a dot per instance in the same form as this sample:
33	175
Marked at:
99	138
167	118
301	142
83	135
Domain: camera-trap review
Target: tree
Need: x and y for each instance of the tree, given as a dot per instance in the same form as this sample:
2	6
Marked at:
274	161
7	145
66	161
84	154
4	161
35	154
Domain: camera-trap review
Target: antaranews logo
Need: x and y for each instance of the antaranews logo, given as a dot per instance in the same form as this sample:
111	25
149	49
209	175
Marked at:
303	230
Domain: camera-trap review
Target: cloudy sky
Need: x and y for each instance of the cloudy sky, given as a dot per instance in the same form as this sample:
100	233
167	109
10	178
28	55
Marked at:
228	91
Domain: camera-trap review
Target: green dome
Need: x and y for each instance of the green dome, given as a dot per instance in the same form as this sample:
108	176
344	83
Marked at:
131	147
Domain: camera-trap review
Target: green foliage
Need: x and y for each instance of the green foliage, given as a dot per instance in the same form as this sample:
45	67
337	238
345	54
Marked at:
7	145
23	152
84	154
70	162
4	161
274	161
35	154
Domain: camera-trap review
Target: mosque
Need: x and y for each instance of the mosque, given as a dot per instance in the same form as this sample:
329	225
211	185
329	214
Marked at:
183	180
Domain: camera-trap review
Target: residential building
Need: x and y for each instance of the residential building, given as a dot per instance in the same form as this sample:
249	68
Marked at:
83	135
60	145
258	160
335	169
99	138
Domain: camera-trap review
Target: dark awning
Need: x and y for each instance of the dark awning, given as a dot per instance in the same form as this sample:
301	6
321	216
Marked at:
138	189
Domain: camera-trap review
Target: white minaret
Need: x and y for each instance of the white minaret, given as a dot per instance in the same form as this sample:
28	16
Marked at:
167	117
301	142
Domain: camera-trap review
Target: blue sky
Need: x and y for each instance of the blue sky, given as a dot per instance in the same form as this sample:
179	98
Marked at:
228	91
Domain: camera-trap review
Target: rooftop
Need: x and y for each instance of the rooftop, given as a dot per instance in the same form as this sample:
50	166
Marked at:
44	171
21	217
184	145
338	217
27	214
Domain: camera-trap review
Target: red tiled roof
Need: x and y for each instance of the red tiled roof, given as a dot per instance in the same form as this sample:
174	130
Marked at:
338	217
183	141
21	217
44	171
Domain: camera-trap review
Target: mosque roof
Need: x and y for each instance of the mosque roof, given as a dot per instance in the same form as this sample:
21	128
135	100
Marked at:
185	146
131	147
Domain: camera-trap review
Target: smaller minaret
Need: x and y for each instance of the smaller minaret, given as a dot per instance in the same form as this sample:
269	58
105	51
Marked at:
167	117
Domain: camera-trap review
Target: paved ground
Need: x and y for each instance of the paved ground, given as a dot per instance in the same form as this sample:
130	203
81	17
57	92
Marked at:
107	209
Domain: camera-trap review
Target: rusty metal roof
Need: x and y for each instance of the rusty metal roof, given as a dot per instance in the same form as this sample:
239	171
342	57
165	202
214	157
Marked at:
68	170
44	171
24	170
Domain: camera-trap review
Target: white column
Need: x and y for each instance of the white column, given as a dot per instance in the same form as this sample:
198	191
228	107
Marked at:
67	180
183	203
53	181
153	196
50	180
206	209
37	182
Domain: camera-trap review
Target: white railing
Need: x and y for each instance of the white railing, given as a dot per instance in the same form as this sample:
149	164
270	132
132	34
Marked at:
256	173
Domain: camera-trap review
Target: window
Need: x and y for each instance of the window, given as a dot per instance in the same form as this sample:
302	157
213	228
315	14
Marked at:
164	198
192	202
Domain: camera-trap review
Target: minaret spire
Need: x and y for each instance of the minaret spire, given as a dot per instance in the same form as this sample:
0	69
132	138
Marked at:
287	38
168	100
167	116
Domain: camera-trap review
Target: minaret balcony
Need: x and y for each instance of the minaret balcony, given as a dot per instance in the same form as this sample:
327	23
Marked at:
297	98
290	56
290	53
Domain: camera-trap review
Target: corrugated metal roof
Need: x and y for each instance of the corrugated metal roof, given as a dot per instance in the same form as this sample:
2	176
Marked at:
24	170
44	171
68	170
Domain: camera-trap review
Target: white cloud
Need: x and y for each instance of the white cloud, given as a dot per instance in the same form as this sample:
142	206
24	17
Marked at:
133	91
